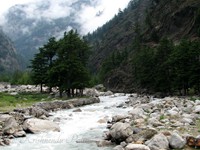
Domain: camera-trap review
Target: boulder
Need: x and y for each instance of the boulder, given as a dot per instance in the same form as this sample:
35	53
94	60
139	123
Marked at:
35	125
141	136
120	131
197	109
136	147
11	126
38	112
137	113
176	141
158	142
90	92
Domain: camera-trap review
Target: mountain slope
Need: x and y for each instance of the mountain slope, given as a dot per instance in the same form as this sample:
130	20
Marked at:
8	56
149	21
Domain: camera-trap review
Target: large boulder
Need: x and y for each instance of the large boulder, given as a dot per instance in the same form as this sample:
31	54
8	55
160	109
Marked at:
136	147
90	92
34	125
137	113
158	142
11	126
120	131
176	141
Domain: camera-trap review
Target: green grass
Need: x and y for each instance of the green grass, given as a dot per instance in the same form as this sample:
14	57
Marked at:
9	102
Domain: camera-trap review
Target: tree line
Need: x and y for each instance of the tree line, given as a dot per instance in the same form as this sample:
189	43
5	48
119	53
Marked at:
168	68
62	63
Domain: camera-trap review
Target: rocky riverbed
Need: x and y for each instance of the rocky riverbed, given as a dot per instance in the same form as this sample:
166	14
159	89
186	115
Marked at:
34	119
156	124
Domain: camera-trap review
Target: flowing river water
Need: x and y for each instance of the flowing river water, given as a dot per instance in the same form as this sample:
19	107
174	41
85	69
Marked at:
79	130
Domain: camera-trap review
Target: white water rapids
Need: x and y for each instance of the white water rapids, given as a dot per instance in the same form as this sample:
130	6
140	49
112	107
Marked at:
75	126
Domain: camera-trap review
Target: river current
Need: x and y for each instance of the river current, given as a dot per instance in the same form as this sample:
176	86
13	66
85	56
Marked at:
79	130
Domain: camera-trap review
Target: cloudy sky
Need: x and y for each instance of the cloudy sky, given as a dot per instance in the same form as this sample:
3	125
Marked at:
90	16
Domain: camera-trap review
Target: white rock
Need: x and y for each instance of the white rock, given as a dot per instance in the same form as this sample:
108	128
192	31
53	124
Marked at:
38	125
137	113
176	141
136	147
187	120
197	109
197	102
120	131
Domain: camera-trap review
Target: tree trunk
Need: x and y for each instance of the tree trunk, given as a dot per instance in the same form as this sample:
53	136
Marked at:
60	92
41	88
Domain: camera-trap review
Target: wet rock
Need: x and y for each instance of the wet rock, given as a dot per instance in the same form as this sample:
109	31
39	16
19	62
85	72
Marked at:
101	121
34	125
158	142
176	141
120	131
136	147
20	134
103	143
77	110
57	119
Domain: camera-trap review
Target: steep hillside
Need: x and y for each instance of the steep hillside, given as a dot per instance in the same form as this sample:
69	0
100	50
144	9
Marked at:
147	21
8	57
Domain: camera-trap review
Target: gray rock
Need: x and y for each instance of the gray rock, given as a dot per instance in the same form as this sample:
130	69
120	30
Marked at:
197	109
176	141
77	110
34	125
20	134
120	131
136	147
158	142
119	117
137	113
11	126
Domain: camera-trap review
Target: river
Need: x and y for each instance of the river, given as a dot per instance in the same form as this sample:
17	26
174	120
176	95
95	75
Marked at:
79	130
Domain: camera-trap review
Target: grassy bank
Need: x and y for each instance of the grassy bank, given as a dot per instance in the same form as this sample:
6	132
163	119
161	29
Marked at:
9	102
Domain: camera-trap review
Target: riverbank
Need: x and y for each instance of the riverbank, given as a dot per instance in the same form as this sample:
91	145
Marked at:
155	124
34	119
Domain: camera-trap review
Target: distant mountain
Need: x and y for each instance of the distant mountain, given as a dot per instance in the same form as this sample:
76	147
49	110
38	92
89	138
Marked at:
147	20
8	58
30	32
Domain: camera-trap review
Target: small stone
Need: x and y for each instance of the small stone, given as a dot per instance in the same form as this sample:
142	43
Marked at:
77	110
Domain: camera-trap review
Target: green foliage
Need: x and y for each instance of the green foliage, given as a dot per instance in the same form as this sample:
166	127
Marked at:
62	64
169	68
112	62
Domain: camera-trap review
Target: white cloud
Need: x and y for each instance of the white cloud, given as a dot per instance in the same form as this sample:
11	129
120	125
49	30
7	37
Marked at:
108	8
89	16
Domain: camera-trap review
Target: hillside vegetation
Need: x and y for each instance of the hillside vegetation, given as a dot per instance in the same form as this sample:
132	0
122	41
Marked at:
144	42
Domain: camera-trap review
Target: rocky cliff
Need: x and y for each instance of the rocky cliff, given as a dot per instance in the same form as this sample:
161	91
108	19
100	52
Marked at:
148	20
8	57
